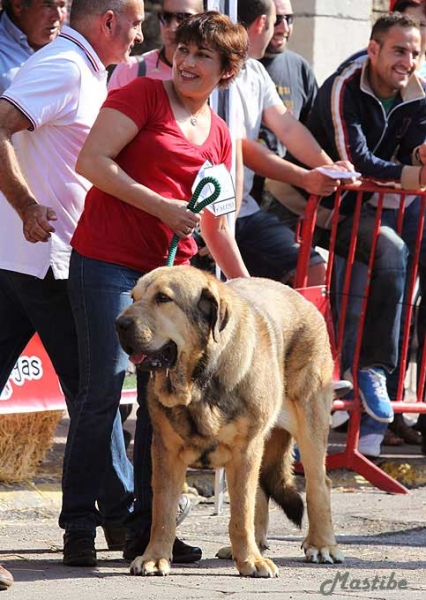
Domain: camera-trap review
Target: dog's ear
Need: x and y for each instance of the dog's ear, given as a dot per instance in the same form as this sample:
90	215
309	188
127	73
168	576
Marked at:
215	310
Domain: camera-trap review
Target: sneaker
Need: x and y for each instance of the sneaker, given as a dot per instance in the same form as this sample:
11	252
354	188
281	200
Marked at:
369	444
374	394
79	549
339	418
408	434
341	387
183	510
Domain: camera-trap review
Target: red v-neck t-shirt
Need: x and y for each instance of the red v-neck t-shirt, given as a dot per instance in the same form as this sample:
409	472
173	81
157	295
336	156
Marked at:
159	157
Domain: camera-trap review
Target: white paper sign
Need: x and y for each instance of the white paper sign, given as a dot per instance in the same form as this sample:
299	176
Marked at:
226	202
336	174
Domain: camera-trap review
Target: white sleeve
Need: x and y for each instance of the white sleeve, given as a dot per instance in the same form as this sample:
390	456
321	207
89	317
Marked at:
46	90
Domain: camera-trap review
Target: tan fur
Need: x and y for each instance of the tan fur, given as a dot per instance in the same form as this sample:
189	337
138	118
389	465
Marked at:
253	369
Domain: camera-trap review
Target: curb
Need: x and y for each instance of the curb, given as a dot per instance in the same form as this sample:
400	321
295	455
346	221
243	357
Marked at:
42	493
28	496
47	497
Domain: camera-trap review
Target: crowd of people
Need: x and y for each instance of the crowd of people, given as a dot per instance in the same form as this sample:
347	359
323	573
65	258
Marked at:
93	187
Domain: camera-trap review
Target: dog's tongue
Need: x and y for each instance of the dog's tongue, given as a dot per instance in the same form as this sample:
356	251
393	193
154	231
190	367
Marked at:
137	358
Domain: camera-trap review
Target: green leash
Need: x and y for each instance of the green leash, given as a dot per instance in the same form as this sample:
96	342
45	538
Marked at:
195	208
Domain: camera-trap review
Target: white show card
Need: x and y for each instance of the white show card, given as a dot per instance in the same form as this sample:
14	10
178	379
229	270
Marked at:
226	202
336	174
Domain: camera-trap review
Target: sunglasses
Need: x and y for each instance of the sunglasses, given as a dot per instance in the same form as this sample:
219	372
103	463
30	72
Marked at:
281	18
166	17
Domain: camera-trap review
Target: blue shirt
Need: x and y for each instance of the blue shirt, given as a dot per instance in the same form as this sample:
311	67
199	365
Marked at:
14	50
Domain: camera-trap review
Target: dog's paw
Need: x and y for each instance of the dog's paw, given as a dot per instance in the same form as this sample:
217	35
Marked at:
150	566
323	554
258	567
225	553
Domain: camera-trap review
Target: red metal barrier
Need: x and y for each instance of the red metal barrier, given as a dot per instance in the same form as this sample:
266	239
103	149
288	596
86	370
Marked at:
350	458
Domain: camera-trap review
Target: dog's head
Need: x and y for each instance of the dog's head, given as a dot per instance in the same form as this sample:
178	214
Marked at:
177	313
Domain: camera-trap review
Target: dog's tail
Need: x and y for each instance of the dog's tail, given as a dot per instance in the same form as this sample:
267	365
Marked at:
276	476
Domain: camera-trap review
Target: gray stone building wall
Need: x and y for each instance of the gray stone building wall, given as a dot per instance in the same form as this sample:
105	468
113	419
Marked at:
326	32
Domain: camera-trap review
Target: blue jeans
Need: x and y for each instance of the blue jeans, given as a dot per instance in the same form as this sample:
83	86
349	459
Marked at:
29	305
268	246
95	458
384	309
408	236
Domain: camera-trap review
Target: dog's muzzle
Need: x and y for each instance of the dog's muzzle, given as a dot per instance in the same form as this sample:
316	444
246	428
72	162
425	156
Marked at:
146	360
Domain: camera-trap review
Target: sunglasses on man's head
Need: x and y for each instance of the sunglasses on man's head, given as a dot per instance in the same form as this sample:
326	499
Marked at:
166	17
280	19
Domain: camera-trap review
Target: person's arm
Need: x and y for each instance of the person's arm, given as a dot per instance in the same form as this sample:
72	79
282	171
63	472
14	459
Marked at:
295	136
222	245
96	163
263	161
35	217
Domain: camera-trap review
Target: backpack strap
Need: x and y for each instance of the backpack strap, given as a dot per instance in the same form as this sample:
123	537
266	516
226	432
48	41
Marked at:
141	66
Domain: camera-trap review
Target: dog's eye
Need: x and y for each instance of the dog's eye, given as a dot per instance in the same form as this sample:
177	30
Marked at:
162	298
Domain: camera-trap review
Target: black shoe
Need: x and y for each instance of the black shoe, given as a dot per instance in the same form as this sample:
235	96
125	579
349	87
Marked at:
135	545
79	549
115	537
181	553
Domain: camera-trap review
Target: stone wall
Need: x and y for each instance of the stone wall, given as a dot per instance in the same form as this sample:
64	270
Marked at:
326	32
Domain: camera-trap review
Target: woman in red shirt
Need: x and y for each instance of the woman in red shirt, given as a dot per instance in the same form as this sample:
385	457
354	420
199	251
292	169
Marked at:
148	145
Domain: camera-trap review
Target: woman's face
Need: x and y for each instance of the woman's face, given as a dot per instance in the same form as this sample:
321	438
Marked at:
196	70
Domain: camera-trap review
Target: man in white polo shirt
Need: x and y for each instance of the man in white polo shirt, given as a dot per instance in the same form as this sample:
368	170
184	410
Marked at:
45	116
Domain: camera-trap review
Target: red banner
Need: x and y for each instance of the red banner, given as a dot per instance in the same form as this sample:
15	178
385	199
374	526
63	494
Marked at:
33	385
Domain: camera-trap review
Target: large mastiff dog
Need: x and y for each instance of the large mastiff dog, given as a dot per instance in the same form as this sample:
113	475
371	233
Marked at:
238	369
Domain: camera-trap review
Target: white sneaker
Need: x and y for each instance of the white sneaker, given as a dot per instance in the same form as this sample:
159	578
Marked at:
369	444
338	418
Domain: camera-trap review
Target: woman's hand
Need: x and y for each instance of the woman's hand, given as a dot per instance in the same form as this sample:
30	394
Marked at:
179	218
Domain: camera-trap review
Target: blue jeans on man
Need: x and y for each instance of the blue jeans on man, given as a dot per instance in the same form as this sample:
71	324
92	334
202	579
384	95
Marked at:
29	305
408	236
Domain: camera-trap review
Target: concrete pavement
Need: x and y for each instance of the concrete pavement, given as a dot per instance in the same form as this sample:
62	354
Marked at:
383	537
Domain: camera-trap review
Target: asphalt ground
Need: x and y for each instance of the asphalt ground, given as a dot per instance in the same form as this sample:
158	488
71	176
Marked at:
383	537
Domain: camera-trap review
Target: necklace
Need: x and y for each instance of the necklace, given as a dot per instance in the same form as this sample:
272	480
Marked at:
193	117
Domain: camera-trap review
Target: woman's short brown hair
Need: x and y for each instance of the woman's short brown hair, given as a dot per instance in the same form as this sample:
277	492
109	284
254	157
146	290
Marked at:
218	32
